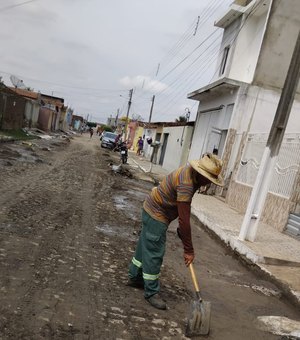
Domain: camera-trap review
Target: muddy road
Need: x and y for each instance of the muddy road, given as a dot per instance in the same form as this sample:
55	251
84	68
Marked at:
68	228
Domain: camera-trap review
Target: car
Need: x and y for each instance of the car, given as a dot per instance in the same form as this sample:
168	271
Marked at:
108	140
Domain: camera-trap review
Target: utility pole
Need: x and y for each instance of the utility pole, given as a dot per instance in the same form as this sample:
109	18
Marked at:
263	179
128	109
197	24
117	117
151	110
158	67
187	116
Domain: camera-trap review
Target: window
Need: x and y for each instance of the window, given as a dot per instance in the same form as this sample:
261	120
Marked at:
224	60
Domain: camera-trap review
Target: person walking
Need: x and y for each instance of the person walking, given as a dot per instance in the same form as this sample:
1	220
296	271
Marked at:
91	132
171	199
140	145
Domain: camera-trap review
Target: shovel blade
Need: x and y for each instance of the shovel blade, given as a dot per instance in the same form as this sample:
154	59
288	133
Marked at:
199	319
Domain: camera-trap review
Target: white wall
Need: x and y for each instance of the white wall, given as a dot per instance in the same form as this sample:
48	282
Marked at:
32	110
175	151
186	144
205	121
261	105
278	44
227	39
147	148
254	113
244	36
246	52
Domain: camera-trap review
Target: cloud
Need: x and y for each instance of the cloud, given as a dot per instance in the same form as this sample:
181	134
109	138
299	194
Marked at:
143	82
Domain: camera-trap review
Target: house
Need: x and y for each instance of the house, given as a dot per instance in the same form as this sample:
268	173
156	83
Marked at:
175	140
43	111
152	135
32	108
112	122
50	112
165	143
69	116
237	108
77	122
12	108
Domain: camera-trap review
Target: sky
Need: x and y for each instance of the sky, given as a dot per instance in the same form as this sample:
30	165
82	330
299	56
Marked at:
92	52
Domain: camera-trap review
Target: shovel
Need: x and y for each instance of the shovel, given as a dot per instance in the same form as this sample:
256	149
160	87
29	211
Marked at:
199	317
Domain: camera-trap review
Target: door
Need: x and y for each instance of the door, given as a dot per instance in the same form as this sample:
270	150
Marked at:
163	149
216	141
158	137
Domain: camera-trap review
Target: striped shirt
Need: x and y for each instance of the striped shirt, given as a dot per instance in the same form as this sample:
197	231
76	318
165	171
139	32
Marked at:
178	186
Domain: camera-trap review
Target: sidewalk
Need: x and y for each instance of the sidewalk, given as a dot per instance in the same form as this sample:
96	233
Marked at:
275	254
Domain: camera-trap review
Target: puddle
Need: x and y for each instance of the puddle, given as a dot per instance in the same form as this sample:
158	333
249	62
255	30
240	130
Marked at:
120	202
130	209
138	194
18	153
115	230
280	325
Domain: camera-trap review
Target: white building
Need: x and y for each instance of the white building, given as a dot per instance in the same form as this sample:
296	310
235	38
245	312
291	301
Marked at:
236	110
175	143
172	141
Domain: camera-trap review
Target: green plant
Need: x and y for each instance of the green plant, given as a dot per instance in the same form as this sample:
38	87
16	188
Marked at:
16	134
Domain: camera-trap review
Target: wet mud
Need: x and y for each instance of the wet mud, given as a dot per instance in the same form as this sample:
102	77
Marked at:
68	229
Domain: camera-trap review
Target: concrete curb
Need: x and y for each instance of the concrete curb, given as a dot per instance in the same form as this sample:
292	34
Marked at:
143	169
247	254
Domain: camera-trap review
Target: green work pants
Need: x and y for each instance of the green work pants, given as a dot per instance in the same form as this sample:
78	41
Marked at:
149	254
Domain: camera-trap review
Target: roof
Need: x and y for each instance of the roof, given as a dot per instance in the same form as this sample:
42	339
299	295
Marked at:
167	124
76	117
56	101
46	99
236	9
220	86
25	93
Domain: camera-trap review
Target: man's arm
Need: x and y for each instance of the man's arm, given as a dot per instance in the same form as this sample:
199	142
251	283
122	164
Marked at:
184	230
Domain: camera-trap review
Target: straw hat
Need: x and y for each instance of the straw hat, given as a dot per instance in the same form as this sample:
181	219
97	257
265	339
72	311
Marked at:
210	167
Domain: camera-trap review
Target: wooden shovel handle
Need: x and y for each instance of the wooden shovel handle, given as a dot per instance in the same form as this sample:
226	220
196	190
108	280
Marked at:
194	279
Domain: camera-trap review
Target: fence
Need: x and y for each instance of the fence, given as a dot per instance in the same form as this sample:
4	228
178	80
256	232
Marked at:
285	170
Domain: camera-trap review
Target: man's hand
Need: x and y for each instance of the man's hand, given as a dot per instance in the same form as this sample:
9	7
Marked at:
188	258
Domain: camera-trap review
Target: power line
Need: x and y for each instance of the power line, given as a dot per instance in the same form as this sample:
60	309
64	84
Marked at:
64	86
205	15
203	18
177	44
185	58
208	13
190	65
205	63
238	32
232	41
16	5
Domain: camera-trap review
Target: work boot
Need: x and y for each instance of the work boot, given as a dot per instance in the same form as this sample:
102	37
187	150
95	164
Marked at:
135	283
156	301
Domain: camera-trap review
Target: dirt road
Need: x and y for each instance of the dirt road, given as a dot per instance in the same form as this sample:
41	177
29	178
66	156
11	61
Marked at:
68	228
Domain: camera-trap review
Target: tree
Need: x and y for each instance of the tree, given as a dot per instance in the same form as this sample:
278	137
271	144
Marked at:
91	124
181	119
137	117
123	119
106	128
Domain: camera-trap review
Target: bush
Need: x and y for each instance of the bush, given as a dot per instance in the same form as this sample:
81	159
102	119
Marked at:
16	134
